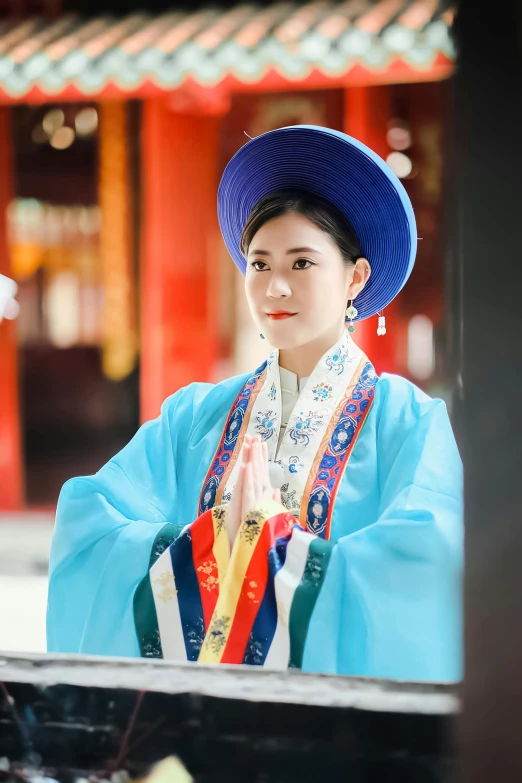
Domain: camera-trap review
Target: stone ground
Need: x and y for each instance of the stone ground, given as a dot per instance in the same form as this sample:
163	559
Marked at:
24	555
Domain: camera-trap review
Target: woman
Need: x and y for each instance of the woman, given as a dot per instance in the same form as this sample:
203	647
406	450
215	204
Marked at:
308	514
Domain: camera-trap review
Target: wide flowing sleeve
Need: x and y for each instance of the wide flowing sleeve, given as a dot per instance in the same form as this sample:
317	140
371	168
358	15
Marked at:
110	528
390	603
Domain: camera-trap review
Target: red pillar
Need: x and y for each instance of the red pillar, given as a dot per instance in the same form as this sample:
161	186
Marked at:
180	251
366	115
10	442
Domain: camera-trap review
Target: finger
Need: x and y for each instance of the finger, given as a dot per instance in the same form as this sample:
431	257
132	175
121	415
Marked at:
256	472
266	469
260	464
276	495
263	477
245	454
240	484
251	448
262	470
233	519
247	445
248	491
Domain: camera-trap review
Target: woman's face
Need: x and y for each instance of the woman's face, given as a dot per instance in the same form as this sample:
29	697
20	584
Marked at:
297	283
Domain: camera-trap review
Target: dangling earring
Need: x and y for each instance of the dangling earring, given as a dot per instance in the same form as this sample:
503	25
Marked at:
351	313
262	336
381	328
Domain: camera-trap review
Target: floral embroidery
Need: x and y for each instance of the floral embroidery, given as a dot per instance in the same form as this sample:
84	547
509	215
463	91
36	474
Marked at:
294	465
219	515
151	645
196	636
305	426
217	634
164	579
251	527
254	654
313	571
341	438
317	510
209	568
337	360
368	377
272	393
234	426
289	498
160	545
167	594
322	392
265	424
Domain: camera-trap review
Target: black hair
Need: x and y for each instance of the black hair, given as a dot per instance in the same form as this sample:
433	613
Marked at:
319	211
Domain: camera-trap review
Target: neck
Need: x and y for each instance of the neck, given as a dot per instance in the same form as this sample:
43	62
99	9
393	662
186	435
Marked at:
303	359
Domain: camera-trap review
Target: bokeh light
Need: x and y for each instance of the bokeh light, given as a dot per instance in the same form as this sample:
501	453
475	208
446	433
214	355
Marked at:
400	164
63	138
86	121
52	121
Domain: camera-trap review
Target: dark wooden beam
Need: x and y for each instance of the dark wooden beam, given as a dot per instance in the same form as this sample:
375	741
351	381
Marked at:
489	162
228	724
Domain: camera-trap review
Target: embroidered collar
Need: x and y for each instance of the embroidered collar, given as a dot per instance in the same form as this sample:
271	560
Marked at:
289	381
317	402
320	435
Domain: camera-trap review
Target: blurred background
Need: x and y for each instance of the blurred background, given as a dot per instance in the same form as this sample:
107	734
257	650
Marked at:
115	125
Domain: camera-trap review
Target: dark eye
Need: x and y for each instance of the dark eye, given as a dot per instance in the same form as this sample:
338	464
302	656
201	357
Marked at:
259	266
303	263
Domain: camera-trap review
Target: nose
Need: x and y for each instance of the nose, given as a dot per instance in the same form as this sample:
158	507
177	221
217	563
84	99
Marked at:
278	287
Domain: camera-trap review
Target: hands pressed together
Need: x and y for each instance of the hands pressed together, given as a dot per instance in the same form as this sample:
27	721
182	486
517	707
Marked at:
253	484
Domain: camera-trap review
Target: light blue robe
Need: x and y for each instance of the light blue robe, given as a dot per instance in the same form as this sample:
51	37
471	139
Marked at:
390	605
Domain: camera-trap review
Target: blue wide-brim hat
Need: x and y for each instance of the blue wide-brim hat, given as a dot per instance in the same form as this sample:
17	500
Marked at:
346	173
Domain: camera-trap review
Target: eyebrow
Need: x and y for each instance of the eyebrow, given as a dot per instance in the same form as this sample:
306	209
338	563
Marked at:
288	252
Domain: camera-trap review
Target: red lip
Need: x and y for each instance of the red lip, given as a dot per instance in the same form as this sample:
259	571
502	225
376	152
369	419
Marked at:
278	315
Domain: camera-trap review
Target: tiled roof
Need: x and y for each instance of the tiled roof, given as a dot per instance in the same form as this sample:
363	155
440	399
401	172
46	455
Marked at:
210	44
